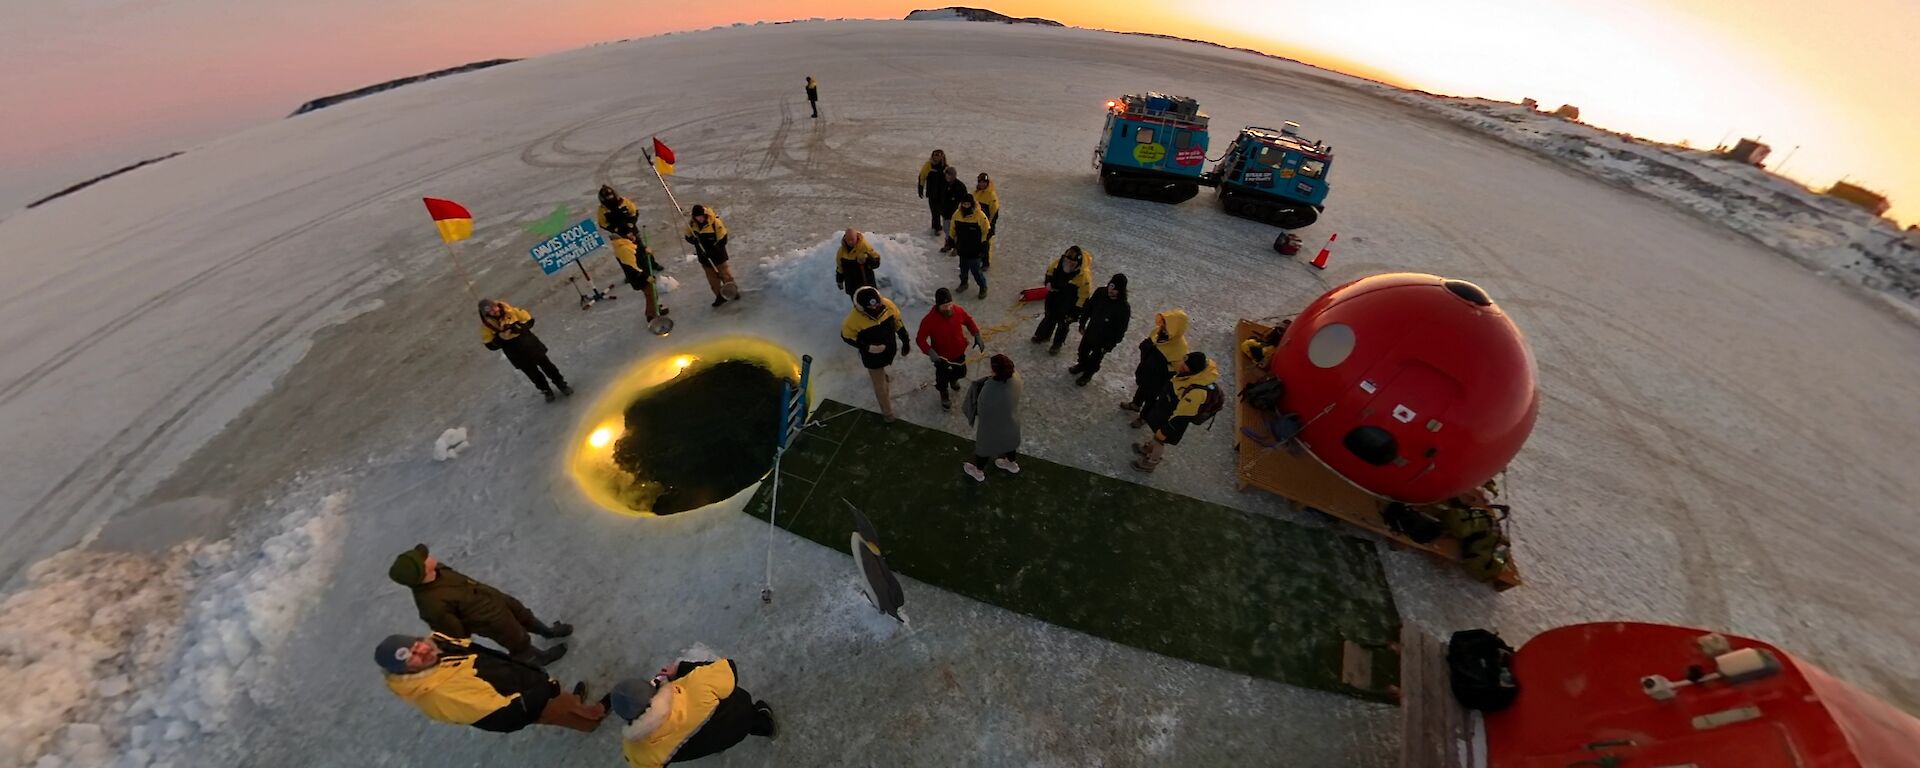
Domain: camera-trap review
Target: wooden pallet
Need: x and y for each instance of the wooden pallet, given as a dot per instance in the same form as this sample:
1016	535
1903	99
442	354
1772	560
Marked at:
1288	470
1435	731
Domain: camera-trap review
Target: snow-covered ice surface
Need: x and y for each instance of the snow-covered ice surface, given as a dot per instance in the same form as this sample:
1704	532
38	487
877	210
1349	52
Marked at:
237	405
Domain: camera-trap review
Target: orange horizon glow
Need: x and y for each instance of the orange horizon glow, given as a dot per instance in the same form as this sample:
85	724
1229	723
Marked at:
91	84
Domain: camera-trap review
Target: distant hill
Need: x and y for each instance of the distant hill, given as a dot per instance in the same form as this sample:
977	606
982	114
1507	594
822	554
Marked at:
960	13
97	179
328	101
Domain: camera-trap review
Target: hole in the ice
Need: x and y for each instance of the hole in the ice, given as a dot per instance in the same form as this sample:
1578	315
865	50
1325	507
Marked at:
696	430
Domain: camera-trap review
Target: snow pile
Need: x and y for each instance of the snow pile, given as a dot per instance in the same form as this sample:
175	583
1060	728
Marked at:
105	666
1832	237
85	629
911	267
450	444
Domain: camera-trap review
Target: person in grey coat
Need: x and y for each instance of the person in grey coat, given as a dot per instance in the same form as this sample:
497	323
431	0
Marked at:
993	407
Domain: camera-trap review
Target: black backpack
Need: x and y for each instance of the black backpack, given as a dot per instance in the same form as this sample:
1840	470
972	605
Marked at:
1480	670
1211	407
1265	395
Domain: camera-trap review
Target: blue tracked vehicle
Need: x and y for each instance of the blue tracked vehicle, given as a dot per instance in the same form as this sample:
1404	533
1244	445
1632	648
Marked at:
1154	147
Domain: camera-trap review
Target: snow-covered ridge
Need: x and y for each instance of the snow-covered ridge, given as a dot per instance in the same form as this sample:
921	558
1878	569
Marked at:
1829	236
962	13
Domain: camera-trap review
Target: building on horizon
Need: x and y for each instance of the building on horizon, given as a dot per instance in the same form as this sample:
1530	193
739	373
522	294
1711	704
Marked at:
1873	201
1750	151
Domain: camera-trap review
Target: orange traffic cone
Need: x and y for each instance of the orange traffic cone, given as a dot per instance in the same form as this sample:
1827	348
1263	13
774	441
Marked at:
1320	261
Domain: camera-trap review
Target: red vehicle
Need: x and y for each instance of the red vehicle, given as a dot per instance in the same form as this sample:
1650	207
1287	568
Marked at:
1630	695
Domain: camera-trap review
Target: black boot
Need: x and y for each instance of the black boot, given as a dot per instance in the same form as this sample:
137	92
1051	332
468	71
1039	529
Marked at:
1085	377
548	394
564	389
580	690
557	629
1075	368
550	655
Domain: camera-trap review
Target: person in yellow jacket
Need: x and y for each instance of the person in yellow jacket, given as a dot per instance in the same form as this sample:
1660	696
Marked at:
509	329
620	219
1192	396
967	235
876	328
1160	355
451	680
708	235
1069	281
854	263
688	711
987	196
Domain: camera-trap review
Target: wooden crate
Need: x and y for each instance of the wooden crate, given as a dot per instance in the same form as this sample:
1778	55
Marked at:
1288	470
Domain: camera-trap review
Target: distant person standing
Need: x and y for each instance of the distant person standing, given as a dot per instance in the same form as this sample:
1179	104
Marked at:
993	408
876	329
454	604
854	264
620	219
708	235
813	95
451	680
943	338
933	189
687	711
967	235
1160	354
1184	400
1103	324
509	329
987	196
1069	281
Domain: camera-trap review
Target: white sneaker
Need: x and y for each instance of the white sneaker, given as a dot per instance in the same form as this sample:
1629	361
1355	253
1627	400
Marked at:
1010	467
973	472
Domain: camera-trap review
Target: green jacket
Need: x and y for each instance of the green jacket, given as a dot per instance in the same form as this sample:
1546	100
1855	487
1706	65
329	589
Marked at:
455	605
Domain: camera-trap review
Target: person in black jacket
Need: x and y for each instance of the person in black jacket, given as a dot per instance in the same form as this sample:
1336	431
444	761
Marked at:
1103	323
931	189
509	329
876	329
956	191
813	95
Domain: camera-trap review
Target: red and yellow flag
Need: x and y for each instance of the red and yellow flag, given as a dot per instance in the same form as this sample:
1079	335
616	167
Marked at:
452	219
662	157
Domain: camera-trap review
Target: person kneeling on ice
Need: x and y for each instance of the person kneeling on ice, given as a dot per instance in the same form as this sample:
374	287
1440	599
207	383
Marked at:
943	338
1103	323
967	234
854	264
451	680
1192	397
688	711
993	408
872	327
510	329
456	605
708	235
620	218
1069	282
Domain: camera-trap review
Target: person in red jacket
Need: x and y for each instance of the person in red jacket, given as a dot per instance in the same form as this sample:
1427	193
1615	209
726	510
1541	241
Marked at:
941	337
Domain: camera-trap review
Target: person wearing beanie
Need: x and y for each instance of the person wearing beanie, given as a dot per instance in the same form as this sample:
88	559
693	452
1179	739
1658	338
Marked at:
1103	323
943	339
956	189
687	711
967	235
451	680
987	196
454	604
813	95
1160	354
855	262
1069	282
509	329
1181	403
933	188
620	219
872	327
708	235
993	408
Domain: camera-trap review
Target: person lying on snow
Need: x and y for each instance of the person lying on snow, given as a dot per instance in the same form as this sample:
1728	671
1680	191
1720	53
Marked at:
451	680
456	605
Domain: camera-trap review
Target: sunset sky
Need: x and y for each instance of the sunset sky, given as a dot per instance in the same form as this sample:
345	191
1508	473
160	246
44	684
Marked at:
89	85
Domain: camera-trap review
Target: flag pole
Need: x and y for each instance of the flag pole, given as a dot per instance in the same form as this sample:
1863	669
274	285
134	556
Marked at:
460	269
648	154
